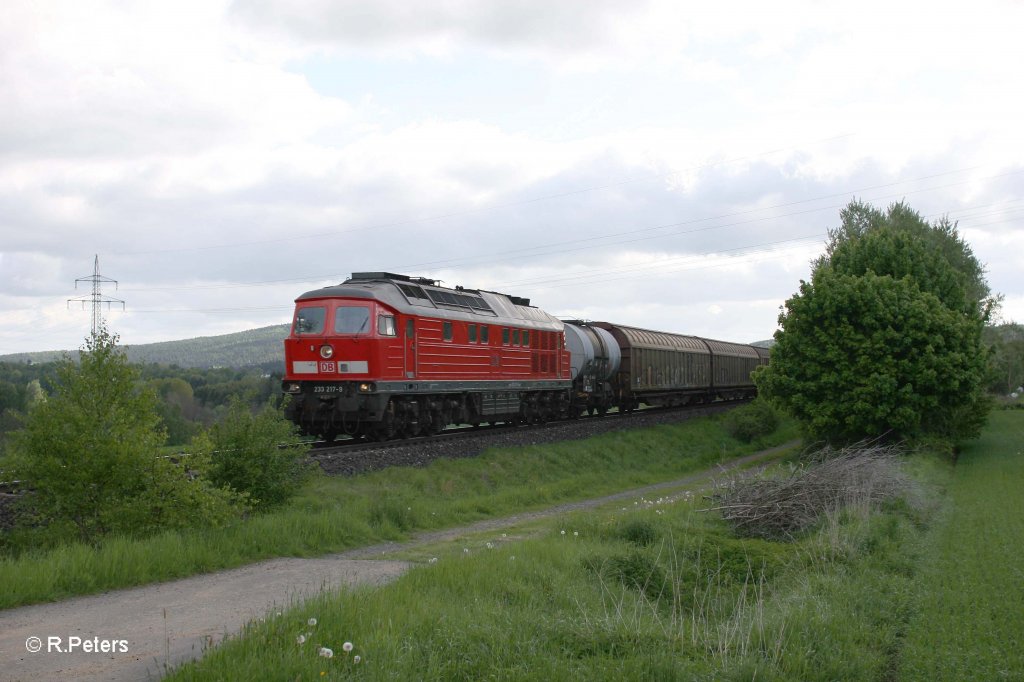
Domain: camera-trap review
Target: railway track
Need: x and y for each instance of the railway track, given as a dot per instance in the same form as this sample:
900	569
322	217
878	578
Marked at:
349	458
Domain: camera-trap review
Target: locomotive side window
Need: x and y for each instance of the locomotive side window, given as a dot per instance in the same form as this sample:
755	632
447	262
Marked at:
386	325
447	331
310	320
352	319
472	333
526	338
515	337
410	329
485	335
504	336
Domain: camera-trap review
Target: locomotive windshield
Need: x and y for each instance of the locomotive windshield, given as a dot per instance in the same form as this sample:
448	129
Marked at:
351	319
310	320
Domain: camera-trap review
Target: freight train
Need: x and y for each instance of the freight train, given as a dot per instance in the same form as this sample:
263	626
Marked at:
384	356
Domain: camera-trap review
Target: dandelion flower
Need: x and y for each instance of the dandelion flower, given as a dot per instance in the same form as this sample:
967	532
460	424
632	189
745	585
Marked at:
490	545
356	659
346	647
326	653
575	533
563	532
312	621
432	560
301	639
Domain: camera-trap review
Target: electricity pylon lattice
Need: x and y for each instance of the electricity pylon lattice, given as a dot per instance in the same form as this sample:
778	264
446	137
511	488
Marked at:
96	298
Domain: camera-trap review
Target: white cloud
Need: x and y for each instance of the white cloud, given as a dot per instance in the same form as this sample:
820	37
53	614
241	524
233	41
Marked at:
636	153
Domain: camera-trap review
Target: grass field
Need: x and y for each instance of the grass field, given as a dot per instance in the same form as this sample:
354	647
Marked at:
925	588
334	513
969	606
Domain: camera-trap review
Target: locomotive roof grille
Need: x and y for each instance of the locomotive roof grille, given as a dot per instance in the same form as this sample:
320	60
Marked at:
412	291
458	300
465	298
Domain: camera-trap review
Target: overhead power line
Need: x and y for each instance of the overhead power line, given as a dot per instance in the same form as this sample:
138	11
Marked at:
96	298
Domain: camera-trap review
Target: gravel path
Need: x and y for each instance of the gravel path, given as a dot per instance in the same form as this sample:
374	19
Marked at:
137	634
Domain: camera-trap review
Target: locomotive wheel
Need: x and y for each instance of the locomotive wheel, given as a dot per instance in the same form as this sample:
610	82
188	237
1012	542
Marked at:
387	426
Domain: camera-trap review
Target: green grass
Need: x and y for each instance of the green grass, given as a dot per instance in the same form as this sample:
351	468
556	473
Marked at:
333	514
654	590
969	620
925	588
636	595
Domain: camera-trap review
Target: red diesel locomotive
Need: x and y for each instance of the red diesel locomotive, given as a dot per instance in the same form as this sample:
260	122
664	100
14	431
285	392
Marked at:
384	355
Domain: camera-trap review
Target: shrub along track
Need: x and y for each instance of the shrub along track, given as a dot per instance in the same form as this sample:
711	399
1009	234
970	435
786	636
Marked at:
349	459
170	623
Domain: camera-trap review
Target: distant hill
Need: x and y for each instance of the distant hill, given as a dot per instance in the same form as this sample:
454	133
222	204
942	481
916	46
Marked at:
767	343
263	347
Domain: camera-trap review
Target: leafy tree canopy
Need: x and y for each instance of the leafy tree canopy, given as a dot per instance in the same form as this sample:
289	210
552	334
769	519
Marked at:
899	242
89	453
886	338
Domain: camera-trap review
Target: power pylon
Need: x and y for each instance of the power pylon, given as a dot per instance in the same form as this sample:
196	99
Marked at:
96	297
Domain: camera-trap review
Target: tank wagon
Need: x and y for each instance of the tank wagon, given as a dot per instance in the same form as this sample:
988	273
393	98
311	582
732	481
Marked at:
384	355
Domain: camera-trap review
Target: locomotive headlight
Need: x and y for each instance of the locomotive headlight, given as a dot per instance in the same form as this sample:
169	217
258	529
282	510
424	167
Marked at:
292	387
327	351
366	388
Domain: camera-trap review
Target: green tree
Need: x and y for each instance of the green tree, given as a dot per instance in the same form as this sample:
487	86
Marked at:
899	242
256	453
1007	368
89	454
886	338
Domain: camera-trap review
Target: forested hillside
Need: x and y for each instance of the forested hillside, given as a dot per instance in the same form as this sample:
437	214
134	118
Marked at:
261	348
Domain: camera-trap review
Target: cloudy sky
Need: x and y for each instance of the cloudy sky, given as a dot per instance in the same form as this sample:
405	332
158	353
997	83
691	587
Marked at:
639	162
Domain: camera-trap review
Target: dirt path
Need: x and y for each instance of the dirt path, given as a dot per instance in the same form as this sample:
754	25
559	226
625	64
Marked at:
137	634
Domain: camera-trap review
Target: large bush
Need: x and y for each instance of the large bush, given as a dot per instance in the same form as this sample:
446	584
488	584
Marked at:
257	453
886	338
751	421
89	454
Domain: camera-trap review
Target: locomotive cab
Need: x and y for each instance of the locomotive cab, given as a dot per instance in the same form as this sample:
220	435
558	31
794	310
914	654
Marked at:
338	351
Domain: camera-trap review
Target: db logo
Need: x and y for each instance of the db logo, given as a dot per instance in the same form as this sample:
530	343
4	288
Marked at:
327	367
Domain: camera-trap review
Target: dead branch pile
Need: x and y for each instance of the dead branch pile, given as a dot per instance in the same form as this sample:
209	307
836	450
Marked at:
777	507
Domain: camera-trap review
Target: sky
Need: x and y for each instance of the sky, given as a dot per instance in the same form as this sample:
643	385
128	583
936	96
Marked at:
646	163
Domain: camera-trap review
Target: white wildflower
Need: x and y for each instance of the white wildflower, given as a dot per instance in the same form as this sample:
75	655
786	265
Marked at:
356	658
326	653
312	621
346	647
301	639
